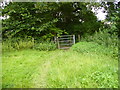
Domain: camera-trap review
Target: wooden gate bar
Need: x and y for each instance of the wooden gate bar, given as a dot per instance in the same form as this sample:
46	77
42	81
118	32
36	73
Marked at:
66	35
65	41
67	44
64	38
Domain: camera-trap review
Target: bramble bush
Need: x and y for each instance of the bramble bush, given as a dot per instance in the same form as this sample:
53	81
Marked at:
92	47
107	38
103	38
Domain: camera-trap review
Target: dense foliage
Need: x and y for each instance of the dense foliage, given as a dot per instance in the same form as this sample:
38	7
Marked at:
92	47
45	20
109	32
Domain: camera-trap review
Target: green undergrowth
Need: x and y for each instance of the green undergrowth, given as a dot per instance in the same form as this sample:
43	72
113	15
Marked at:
83	71
58	69
27	43
92	47
17	44
45	46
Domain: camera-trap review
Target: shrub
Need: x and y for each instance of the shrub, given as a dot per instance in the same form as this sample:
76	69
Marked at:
87	47
27	43
103	38
7	46
106	39
17	44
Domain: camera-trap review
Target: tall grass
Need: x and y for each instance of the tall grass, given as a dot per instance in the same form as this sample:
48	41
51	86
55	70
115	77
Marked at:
27	43
45	46
58	69
104	38
17	43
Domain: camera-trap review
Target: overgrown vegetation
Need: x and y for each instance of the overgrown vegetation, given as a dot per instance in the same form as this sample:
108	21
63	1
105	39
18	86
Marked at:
106	38
17	44
45	46
30	58
59	69
27	43
92	47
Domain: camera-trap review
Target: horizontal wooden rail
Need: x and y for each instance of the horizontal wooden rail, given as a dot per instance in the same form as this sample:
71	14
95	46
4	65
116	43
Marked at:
66	44
64	38
64	47
65	35
66	41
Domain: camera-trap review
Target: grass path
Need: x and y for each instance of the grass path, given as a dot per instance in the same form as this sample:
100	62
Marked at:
58	69
41	83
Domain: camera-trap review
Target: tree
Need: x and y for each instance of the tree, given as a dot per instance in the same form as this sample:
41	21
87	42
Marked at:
113	16
75	18
44	19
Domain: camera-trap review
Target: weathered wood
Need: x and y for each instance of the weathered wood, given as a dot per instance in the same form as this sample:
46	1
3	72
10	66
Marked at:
64	38
73	39
65	41
65	35
55	39
67	44
58	43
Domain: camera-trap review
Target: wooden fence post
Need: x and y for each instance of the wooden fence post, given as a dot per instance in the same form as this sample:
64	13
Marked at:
58	43
73	39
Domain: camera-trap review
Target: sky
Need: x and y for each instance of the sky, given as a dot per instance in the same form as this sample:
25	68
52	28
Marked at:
100	15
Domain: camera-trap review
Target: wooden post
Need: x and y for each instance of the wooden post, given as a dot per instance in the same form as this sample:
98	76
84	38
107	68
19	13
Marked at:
58	43
79	38
73	39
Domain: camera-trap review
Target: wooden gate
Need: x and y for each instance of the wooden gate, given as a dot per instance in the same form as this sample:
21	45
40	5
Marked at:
65	41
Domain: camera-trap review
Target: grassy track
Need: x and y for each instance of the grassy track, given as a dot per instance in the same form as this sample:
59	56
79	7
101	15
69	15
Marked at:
53	69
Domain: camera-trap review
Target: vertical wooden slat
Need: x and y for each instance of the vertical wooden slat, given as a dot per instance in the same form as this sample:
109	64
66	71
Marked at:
58	43
73	39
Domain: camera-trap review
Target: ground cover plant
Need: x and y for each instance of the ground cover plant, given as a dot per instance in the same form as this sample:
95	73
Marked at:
59	69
